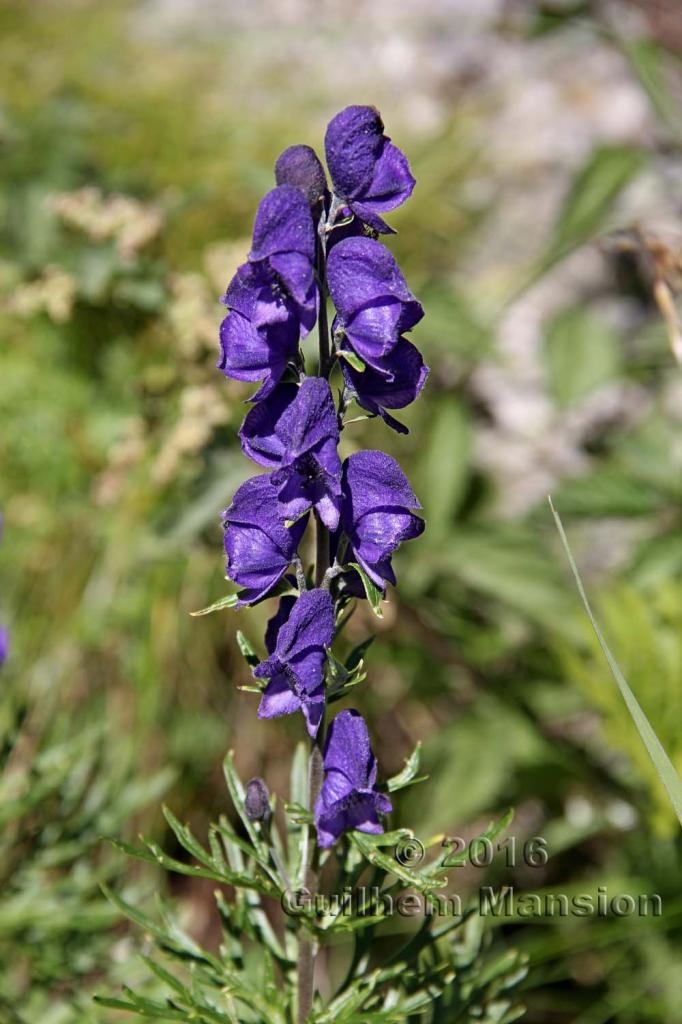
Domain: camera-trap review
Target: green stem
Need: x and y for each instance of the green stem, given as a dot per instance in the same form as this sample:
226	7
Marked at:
307	948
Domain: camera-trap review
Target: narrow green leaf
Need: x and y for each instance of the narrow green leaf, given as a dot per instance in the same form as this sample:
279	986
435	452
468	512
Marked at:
447	860
374	595
224	602
247	650
391	865
236	789
591	196
445	466
352	358
187	840
581	354
664	768
357	655
408	775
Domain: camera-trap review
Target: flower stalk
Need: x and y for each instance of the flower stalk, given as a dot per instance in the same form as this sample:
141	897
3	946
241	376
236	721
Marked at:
313	243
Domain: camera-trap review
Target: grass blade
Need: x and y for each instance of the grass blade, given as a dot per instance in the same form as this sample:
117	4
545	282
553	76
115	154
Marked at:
664	768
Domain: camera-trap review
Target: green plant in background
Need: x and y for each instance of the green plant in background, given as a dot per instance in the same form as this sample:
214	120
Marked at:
63	783
646	632
111	471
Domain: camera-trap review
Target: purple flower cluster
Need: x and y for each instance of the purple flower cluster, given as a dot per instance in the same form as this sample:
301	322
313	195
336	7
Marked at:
314	240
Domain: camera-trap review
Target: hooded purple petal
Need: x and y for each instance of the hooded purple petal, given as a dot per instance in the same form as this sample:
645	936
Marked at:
374	305
349	798
283	252
376	513
348	750
261	435
260	334
300	166
310	625
258	545
273	298
278	698
397	384
367	170
283	225
277	621
297	660
296	432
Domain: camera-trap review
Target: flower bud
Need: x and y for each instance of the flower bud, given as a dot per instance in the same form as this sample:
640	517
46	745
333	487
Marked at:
300	166
257	801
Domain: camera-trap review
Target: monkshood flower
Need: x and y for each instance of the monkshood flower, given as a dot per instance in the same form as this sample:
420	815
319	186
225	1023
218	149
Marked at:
297	659
349	798
368	172
300	167
373	303
397	384
251	352
258	544
375	514
273	298
295	432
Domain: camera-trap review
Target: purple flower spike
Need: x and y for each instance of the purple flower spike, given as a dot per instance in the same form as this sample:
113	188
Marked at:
300	166
349	798
258	545
397	384
295	667
374	305
376	515
4	644
295	431
367	170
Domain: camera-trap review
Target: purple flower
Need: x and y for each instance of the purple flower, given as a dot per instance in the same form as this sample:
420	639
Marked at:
401	378
272	299
349	798
258	545
375	514
300	166
295	668
253	350
373	303
4	644
295	432
368	172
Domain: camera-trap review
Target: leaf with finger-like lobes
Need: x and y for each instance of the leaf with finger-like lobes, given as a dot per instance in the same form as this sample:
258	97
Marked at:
186	839
247	651
342	681
447	860
392	866
408	776
374	594
357	655
153	854
338	673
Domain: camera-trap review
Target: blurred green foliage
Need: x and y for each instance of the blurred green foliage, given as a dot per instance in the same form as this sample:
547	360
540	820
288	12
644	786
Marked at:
131	165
